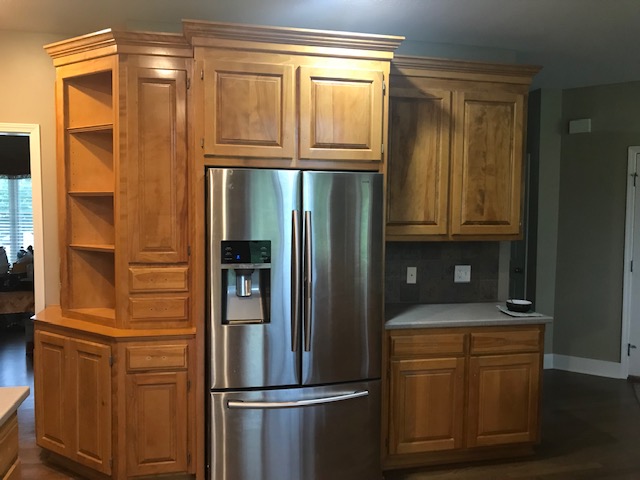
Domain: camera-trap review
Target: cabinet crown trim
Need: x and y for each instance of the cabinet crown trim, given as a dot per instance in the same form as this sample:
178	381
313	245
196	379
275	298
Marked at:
109	41
197	31
425	66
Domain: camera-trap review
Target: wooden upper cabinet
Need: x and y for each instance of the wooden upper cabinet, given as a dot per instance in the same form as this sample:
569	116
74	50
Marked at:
248	109
457	149
157	165
487	187
341	114
275	97
418	174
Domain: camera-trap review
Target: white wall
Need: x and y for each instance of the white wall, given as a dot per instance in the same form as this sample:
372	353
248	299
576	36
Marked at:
27	96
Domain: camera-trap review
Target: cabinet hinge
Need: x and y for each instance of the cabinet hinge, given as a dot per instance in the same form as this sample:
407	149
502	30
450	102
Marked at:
382	148
202	74
629	347
189	251
635	176
202	143
111	361
384	88
631	266
188	458
188	83
188	385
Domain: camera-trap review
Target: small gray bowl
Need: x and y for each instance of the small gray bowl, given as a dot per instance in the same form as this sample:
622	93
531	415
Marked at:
516	305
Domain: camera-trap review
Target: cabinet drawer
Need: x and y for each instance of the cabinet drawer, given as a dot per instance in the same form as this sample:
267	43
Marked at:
156	357
158	279
425	343
147	308
506	341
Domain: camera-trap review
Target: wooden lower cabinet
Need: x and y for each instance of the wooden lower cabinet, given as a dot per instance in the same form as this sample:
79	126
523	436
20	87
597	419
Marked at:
121	408
461	394
73	398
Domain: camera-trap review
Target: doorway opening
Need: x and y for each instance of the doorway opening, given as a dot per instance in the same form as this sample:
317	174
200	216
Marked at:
630	345
32	131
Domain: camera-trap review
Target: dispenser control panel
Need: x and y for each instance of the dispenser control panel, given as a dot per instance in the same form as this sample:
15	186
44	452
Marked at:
246	251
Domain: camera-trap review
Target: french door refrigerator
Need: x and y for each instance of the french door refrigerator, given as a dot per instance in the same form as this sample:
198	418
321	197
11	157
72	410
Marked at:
295	319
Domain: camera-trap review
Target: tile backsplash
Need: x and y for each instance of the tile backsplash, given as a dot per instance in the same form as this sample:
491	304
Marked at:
436	263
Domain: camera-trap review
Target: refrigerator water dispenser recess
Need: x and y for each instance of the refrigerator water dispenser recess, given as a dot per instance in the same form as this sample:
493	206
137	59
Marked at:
246	281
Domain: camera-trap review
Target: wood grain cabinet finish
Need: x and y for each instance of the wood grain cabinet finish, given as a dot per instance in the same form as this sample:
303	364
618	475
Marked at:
456	149
123	168
158	401
461	394
73	399
290	98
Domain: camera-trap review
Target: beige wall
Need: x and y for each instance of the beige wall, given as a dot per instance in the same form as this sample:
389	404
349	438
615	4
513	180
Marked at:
591	220
27	96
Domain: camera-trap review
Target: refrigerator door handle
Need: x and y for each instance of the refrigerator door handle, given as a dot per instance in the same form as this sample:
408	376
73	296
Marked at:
307	281
295	281
239	404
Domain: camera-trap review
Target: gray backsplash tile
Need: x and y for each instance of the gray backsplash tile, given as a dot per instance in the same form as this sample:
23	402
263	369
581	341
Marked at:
436	262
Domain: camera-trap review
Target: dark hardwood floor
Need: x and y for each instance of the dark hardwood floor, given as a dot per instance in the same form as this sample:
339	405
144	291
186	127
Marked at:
591	430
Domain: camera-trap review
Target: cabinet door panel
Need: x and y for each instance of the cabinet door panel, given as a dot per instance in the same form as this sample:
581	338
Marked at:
50	376
340	114
249	109
419	163
157	411
427	405
488	158
157	165
503	399
90	384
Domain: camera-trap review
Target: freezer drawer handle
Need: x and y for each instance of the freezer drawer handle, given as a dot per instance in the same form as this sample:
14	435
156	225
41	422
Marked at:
299	403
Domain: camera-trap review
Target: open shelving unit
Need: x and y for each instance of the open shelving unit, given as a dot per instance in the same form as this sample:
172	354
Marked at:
88	290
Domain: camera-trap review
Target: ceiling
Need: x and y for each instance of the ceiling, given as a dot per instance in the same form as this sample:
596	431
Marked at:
577	42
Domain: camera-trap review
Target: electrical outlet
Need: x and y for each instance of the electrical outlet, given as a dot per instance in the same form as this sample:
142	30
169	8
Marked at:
462	274
412	272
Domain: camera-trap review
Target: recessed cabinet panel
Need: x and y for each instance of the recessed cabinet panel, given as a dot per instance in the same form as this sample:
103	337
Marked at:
157	413
503	399
488	159
90	382
158	165
340	114
419	163
427	401
50	392
249	109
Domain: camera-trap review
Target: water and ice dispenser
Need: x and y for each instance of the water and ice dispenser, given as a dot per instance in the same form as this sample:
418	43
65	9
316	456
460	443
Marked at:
246	281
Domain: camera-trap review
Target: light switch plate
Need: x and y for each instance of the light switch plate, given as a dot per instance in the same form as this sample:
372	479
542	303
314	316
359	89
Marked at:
462	274
412	273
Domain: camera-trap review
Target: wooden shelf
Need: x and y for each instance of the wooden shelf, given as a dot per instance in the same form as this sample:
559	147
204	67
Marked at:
95	313
85	193
94	248
105	127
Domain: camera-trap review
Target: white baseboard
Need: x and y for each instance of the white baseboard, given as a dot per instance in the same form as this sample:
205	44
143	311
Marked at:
587	366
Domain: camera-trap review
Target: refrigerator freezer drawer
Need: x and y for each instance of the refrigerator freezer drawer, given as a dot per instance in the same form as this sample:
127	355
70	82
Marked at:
313	433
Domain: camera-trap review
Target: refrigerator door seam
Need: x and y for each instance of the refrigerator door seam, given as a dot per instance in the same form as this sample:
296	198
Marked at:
308	280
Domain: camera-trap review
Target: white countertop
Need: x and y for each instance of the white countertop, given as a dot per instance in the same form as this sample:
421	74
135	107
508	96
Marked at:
10	399
438	315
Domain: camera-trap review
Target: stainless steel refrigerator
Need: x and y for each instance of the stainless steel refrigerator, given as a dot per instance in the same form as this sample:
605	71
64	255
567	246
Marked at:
295	319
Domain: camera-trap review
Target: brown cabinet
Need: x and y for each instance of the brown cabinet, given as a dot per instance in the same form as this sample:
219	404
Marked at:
121	407
73	399
158	401
122	172
288	105
125	233
461	394
456	156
